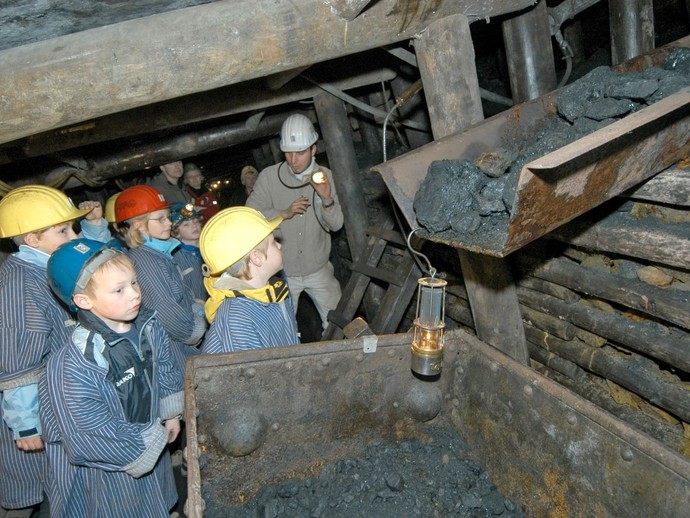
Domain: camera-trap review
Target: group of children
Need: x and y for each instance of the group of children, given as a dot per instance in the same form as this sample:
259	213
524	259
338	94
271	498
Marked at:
89	408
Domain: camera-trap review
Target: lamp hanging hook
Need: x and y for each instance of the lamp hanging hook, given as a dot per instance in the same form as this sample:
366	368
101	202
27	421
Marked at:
430	269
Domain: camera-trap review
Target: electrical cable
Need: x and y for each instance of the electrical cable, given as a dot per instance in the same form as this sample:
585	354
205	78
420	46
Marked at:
313	196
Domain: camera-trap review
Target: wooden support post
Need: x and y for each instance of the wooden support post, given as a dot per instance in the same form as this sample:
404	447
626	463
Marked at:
452	93
527	39
632	28
337	135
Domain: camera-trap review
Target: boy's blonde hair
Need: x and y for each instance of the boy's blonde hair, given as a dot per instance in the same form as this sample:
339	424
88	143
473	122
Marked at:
241	268
117	261
19	240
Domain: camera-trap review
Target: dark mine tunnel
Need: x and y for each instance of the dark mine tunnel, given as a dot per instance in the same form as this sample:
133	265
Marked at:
480	211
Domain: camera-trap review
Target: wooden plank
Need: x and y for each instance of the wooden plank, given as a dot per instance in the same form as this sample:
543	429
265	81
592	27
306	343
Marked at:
397	298
649	338
660	243
392	278
50	84
643	377
671	187
665	303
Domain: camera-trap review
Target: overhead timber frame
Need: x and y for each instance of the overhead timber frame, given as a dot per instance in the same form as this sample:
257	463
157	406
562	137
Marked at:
54	83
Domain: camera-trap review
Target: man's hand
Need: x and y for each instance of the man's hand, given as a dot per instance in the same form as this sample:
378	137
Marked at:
173	427
323	189
30	443
299	206
96	210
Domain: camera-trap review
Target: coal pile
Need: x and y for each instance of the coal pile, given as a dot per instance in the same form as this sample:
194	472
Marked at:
430	475
461	199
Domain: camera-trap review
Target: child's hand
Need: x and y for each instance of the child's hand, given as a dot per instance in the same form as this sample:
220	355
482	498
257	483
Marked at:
96	210
173	427
30	444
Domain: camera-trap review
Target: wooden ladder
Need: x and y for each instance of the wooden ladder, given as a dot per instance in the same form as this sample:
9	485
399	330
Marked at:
401	283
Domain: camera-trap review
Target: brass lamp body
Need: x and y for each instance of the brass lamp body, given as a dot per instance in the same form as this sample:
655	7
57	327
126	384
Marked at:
427	343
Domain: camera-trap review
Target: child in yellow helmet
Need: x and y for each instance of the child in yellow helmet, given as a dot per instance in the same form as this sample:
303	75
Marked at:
32	326
249	306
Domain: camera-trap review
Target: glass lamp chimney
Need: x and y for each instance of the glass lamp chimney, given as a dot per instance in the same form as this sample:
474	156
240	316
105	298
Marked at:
427	343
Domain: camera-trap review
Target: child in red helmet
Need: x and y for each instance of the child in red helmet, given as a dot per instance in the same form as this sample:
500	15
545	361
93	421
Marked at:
143	216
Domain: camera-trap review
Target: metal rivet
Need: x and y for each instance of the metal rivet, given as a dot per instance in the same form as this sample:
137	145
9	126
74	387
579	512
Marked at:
275	427
627	454
395	404
202	438
359	357
326	362
528	390
251	372
206	376
493	366
289	365
391	353
572	419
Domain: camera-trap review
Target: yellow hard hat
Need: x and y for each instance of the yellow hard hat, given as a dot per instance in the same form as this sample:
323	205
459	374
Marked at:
231	234
110	208
35	207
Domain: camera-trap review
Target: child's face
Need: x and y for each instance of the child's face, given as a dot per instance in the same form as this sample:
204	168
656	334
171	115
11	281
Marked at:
117	296
274	256
189	230
159	224
49	240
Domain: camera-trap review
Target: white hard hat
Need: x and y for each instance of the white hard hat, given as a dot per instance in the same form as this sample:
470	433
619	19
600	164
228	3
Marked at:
297	133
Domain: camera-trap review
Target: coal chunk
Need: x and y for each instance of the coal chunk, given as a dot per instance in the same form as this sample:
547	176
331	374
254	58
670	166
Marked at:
446	193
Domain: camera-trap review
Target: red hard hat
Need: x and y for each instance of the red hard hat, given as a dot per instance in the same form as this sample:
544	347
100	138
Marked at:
137	201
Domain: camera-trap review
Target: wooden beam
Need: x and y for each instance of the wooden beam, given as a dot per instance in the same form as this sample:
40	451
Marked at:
657	242
671	187
221	102
53	83
649	338
634	372
665	303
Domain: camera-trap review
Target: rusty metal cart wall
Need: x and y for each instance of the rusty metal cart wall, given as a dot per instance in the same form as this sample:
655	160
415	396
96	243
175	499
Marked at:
287	411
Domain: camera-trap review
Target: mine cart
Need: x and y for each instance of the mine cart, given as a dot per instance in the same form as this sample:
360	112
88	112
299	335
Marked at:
261	417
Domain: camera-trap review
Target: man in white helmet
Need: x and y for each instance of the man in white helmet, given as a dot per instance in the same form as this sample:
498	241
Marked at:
302	193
